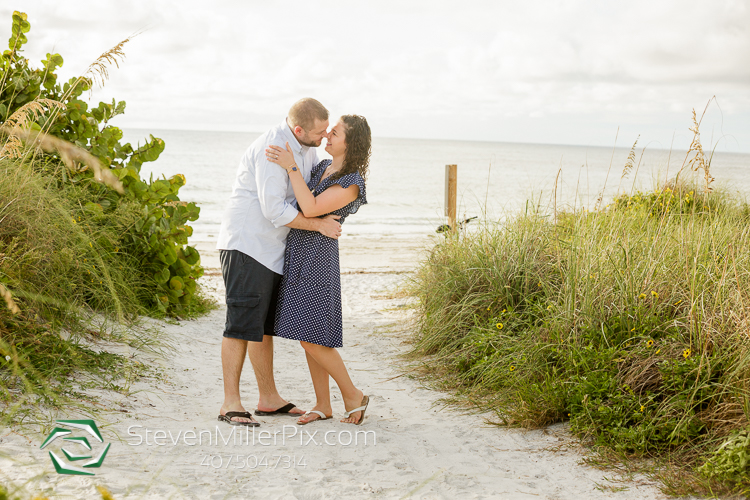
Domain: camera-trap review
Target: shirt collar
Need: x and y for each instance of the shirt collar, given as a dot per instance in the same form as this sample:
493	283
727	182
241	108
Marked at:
292	139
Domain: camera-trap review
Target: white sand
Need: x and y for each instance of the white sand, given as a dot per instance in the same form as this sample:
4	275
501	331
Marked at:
414	449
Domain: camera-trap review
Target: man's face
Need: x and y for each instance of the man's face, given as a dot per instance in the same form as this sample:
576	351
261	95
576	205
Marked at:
313	137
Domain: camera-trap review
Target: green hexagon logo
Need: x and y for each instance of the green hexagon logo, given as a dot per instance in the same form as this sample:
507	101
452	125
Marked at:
76	448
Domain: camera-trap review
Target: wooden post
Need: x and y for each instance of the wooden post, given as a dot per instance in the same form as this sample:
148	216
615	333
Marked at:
451	193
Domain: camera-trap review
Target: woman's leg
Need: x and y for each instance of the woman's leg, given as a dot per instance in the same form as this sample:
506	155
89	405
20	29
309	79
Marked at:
330	360
320	379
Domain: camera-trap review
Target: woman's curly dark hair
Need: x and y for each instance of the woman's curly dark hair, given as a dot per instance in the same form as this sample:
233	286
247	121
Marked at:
358	146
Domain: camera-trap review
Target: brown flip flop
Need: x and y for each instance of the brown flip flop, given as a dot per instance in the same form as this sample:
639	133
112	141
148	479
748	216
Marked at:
245	414
362	408
284	410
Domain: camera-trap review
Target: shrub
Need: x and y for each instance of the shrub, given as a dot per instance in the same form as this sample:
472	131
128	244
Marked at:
628	322
83	239
157	240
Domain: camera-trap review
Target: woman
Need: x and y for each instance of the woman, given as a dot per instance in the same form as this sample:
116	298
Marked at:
309	307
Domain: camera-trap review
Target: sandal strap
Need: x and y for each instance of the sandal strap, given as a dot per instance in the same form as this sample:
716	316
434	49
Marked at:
347	414
319	413
243	414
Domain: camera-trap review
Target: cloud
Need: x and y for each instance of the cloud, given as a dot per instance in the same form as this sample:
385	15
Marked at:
416	68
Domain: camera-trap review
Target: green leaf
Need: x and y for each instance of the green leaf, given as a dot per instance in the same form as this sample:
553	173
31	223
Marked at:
167	255
191	255
52	62
176	283
162	276
120	108
94	209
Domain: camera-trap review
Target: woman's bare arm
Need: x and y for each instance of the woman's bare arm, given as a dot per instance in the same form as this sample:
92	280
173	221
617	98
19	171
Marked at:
329	200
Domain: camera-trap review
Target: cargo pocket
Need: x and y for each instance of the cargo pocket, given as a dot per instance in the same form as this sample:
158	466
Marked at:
243	316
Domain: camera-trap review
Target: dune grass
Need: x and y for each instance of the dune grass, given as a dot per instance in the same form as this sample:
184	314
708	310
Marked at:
86	246
75	283
631	322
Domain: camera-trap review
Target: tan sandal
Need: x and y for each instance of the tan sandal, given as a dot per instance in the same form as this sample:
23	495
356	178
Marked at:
362	408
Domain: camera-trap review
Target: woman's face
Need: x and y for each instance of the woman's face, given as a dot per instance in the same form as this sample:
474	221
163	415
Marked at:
336	142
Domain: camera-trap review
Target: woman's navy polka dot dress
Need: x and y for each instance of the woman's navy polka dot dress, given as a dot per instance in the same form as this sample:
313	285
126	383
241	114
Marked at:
309	306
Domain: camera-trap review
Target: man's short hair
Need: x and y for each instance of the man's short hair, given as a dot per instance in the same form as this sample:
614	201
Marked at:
305	111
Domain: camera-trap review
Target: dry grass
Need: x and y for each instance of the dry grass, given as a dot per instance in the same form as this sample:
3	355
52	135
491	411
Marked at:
31	111
70	154
6	295
630	321
696	157
98	71
20	120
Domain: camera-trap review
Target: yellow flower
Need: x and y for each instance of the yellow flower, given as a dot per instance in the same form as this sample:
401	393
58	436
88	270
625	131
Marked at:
678	303
658	351
642	408
642	296
92	246
499	326
649	343
488	307
654	294
503	310
512	368
539	285
74	221
686	353
632	329
549	307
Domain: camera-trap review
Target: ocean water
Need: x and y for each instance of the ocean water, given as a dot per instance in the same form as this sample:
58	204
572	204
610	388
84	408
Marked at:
406	184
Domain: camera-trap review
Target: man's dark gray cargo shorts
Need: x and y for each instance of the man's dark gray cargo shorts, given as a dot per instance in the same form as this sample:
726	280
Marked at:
252	293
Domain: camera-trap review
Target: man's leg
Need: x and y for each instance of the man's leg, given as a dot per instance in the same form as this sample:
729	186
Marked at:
261	357
236	331
232	360
261	353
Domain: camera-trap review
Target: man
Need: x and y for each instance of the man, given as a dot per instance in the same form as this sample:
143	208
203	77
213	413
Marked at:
252	240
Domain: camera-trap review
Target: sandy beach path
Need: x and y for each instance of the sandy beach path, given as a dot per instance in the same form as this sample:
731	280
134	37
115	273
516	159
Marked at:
408	447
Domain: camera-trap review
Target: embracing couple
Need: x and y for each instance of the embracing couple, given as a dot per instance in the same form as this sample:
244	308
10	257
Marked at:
280	259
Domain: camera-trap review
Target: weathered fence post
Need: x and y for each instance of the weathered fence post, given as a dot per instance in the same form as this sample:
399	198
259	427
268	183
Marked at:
451	192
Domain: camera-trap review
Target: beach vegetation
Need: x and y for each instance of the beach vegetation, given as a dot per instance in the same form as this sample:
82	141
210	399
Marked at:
628	322
86	244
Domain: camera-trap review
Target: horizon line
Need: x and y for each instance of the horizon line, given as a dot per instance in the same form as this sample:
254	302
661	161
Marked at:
529	143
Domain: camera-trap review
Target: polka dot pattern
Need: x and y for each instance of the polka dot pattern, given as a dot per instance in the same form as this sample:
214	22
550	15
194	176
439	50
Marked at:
309	306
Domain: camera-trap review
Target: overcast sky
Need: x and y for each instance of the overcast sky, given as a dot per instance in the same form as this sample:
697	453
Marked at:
536	71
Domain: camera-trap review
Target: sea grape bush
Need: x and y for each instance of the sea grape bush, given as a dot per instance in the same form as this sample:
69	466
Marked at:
159	240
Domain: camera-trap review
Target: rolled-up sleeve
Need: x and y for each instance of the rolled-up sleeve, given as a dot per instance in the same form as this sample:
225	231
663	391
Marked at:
272	184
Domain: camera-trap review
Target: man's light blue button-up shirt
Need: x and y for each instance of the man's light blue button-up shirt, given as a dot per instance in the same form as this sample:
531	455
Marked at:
261	203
